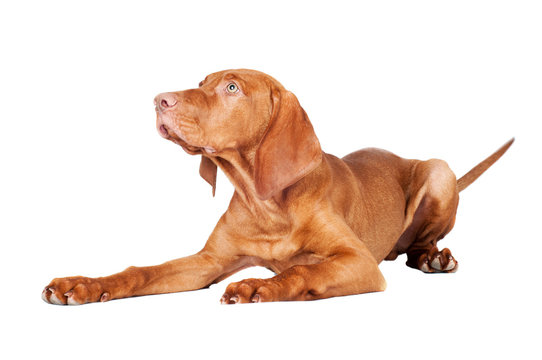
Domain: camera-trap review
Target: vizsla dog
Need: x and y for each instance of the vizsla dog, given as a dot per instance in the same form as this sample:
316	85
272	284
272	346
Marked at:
321	223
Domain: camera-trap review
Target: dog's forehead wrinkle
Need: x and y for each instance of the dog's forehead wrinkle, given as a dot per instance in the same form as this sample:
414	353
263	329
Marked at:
242	81
230	76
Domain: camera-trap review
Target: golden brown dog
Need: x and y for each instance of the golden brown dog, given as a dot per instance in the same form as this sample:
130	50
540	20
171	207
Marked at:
321	223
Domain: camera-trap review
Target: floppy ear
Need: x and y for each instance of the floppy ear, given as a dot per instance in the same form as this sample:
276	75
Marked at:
207	170
289	149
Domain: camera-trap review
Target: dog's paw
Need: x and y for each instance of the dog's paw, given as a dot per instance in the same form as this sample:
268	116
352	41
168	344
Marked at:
250	291
75	290
438	261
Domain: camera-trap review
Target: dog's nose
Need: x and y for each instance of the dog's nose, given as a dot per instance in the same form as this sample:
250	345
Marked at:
165	101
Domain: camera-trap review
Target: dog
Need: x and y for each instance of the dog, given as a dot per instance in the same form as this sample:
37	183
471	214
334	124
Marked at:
320	223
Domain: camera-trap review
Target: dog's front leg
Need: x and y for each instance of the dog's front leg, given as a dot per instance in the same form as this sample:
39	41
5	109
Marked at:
210	265
348	268
188	273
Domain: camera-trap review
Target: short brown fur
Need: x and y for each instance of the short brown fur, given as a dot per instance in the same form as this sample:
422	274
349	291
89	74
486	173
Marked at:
321	223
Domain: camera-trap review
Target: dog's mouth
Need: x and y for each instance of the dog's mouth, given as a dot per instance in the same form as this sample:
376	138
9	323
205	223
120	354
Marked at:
168	134
163	131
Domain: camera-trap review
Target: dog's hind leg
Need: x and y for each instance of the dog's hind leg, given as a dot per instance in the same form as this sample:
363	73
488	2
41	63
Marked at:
433	208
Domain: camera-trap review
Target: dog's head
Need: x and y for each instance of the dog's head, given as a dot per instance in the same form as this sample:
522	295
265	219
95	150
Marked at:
247	111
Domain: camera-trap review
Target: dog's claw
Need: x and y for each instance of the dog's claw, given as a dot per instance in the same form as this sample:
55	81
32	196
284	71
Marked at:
53	299
224	299
228	299
70	300
44	295
425	267
105	297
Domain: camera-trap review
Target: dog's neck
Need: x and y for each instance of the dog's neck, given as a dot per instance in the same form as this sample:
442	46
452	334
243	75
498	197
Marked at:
239	168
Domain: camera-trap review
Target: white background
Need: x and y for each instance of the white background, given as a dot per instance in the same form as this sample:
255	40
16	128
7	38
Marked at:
88	187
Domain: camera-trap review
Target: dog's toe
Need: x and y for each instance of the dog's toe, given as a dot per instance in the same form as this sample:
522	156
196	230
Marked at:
250	291
75	290
435	261
443	261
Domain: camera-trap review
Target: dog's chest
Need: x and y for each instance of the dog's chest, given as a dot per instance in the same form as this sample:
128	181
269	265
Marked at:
279	254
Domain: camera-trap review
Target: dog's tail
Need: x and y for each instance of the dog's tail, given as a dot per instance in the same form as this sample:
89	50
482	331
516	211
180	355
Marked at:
479	169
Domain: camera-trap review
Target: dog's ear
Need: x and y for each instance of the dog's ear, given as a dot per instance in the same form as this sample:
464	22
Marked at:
207	170
289	149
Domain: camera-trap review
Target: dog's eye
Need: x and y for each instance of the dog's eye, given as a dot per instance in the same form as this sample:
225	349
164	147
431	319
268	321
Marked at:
232	88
